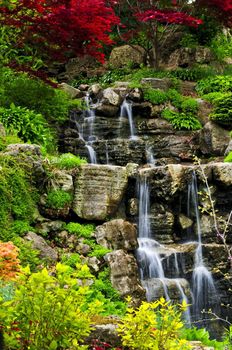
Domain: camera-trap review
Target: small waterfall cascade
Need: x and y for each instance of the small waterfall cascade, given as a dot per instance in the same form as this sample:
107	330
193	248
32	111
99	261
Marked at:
204	291
85	128
150	255
150	156
126	112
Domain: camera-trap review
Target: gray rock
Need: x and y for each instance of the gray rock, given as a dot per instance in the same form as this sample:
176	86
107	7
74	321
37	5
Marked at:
38	243
117	234
123	55
222	173
62	181
229	148
99	190
157	83
112	97
185	222
28	149
71	91
50	226
124	275
215	138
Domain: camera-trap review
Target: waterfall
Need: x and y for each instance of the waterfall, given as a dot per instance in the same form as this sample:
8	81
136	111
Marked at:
150	256
126	111
204	290
86	128
150	156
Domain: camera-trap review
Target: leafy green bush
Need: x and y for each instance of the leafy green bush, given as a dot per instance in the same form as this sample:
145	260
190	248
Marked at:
228	158
202	335
103	291
34	95
8	140
27	255
213	96
189	105
175	98
99	251
29	126
182	120
80	230
16	197
71	259
222	113
155	325
155	96
58	199
68	161
21	227
221	46
219	83
46	312
192	74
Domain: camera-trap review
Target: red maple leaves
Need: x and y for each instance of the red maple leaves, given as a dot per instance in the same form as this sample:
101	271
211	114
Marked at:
61	29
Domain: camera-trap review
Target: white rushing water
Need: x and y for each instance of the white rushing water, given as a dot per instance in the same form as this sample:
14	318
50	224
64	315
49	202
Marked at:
204	290
126	112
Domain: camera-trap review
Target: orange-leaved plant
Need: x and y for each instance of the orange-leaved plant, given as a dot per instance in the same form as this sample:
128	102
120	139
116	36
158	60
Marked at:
9	262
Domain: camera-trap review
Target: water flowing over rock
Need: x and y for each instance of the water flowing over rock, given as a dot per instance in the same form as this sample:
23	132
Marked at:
99	191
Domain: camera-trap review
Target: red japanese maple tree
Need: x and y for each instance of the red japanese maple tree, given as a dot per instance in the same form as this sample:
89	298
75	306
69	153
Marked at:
56	30
154	17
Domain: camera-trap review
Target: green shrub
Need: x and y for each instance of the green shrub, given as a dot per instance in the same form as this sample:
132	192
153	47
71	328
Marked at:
103	291
221	46
34	95
155	325
16	197
203	336
228	158
155	96
20	227
99	251
27	255
29	126
222	113
46	312
80	230
175	98
71	259
181	121
68	161
58	199
7	290
8	140
213	96
192	74
189	105
219	83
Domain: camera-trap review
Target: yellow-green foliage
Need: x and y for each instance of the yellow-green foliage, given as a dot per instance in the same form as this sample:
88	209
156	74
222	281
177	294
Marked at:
46	311
154	326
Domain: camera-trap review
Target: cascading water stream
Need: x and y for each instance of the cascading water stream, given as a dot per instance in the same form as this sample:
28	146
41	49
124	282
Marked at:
204	290
126	112
149	254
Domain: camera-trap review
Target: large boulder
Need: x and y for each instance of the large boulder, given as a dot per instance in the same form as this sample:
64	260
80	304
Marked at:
99	189
124	275
117	234
123	55
186	57
39	243
214	139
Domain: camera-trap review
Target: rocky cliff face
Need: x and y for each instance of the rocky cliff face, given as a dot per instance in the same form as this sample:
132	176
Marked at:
122	134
